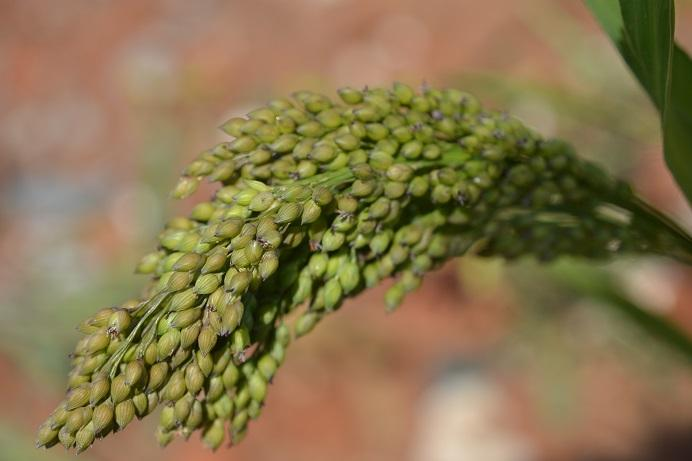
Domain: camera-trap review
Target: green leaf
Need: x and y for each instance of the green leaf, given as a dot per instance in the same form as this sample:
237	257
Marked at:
643	32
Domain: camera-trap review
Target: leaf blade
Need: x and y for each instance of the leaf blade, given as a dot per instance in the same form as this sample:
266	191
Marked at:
643	33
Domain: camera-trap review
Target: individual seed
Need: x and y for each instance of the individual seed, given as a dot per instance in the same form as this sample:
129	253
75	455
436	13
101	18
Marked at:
311	212
332	240
288	212
363	188
230	376
349	276
84	437
240	340
141	403
268	264
403	93
97	342
257	387
239	283
185	187
322	196
183	300
99	390
223	171
179	281
330	118
207	283
66	437
176	387
134	371
242	144
253	251
350	95
194	378
400	172
120	390
183	319
78	397
233	126
149	263
284	143
346	204
306	323
168	343
261	202
229	228
323	153
214	435
333	294
207	339
102	417
348	142
124	413
394	190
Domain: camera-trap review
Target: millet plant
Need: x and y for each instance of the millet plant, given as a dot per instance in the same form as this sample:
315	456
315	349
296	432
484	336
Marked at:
318	200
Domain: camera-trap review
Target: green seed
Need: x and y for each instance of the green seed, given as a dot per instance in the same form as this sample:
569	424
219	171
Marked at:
66	437
318	264
253	252
207	339
306	323
183	300
311	212
215	389
179	281
168	343
349	276
78	397
230	376
403	93
229	229
322	196
350	95
97	342
242	144
233	126
267	366
176	387
194	378
149	263
268	264
207	283
85	437
185	187
332	294
134	371
332	241
182	408
99	390
141	403
183	319
240	340
257	387
288	212
284	143
158	374
239	283
124	413
231	317
400	172
214	435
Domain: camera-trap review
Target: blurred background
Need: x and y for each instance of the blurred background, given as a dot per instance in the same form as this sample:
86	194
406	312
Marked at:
102	103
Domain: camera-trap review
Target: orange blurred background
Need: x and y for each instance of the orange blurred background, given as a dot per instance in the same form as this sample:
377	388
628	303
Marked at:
102	103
